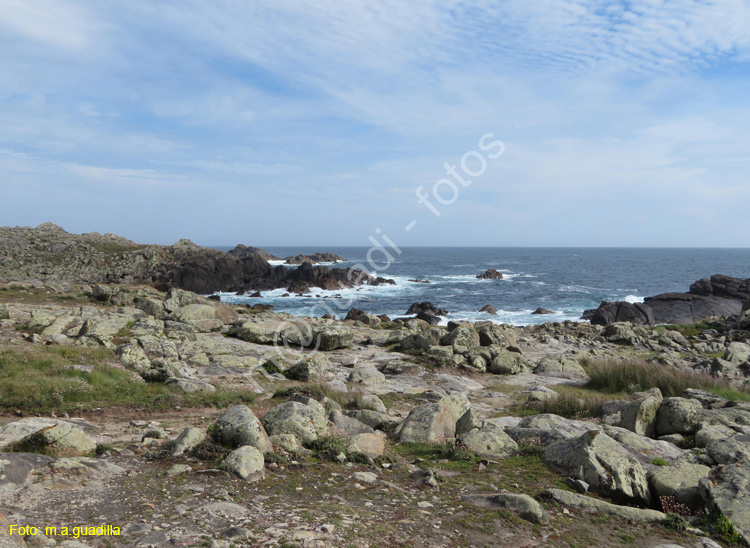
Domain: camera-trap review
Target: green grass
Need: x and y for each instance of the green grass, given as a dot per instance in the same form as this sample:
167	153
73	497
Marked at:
635	375
574	404
38	381
659	462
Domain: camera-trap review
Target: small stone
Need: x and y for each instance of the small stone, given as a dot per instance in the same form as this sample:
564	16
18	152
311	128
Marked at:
178	469
365	477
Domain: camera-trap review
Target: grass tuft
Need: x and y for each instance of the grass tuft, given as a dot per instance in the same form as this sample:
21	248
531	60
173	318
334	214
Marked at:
634	375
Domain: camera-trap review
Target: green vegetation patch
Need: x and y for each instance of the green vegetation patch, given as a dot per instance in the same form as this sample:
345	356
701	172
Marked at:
43	379
634	375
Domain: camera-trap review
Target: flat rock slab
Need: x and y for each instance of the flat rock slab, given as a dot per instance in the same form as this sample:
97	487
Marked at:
17	430
592	505
15	468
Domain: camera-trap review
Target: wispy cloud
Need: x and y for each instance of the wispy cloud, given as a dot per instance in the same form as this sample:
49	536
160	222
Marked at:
341	109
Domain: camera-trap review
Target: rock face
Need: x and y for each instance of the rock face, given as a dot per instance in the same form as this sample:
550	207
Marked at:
725	490
601	462
679	481
672	308
718	296
490	274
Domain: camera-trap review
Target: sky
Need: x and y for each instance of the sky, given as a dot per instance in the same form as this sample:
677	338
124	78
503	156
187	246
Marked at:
283	122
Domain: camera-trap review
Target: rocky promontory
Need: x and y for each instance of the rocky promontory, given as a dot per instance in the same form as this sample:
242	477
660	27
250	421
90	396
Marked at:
708	297
49	254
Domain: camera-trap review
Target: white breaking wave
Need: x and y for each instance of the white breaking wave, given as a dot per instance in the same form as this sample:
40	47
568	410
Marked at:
634	299
512	317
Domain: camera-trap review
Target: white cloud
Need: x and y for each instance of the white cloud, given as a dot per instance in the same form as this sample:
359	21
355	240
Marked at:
58	23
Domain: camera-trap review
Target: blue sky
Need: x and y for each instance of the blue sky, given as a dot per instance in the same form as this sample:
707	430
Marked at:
625	123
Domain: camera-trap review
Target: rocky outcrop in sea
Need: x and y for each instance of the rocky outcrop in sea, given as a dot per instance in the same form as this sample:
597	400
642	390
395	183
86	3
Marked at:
708	297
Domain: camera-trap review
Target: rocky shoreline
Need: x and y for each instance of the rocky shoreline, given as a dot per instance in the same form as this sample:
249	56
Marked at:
357	397
185	421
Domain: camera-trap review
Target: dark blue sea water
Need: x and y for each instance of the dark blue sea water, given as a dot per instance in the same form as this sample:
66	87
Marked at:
564	280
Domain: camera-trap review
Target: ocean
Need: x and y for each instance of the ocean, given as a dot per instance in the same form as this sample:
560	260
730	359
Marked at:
566	281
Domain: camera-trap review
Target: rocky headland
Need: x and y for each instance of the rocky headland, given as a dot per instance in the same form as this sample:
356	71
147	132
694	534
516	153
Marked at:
184	421
49	254
716	296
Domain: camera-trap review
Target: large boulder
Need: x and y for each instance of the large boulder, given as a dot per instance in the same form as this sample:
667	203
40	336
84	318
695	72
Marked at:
461	336
506	363
729	450
332	338
614	312
426	308
720	285
246	462
238	426
560	366
737	352
639	416
493	334
316	368
678	416
61	439
370	445
295	418
457	404
422	340
429	423
254	333
601	462
188	439
133	356
152	307
490	442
